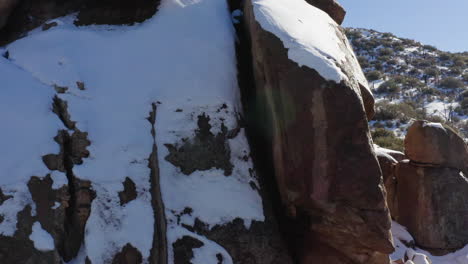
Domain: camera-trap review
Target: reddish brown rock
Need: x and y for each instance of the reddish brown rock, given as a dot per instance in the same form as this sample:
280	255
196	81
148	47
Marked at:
388	166
431	144
326	170
433	205
331	7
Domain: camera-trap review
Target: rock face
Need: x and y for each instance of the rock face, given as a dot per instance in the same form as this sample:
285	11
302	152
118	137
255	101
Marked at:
432	144
433	205
319	136
432	187
331	7
28	14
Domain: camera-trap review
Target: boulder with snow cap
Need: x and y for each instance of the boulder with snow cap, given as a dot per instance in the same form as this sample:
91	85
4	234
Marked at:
433	144
326	170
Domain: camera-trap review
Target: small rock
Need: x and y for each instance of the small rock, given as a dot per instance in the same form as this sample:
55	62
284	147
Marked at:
48	26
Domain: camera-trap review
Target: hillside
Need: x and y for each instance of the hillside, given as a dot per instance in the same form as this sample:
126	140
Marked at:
410	80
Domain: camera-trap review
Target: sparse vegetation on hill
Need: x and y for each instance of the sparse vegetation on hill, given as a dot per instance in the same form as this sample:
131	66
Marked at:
411	80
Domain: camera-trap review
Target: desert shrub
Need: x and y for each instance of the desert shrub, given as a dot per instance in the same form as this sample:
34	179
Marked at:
386	52
388	35
430	91
353	34
451	82
432	71
429	48
414	72
392	62
390	86
403	111
378	65
465	77
387	139
456	71
363	61
424	63
445	56
373	75
409	42
398	46
459	61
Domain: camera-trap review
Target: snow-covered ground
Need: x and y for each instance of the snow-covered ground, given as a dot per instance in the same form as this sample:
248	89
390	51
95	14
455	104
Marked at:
402	237
182	59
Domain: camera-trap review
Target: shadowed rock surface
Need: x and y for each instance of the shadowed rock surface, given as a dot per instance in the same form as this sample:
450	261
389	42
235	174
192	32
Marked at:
433	205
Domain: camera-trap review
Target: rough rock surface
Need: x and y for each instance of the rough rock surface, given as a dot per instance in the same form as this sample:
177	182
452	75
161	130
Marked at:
433	205
432	144
332	8
319	134
29	14
388	166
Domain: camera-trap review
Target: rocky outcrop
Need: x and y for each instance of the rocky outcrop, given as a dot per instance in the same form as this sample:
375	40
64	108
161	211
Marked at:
433	205
331	7
432	144
319	136
29	14
432	187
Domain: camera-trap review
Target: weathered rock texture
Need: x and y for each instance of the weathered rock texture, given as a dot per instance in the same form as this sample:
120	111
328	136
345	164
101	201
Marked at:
19	248
327	173
29	14
433	205
332	8
432	187
432	144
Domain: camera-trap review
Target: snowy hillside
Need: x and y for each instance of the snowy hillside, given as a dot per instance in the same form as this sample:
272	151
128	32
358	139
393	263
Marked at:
412	81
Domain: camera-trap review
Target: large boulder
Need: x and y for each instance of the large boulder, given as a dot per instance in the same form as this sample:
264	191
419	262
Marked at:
433	205
326	170
331	7
433	144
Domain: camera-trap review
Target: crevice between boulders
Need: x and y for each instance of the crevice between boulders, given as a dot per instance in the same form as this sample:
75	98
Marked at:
255	118
158	254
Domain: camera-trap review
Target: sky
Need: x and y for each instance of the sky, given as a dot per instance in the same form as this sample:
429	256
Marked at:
443	24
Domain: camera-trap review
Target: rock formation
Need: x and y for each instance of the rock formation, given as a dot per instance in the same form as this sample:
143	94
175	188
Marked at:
332	8
137	150
319	133
433	186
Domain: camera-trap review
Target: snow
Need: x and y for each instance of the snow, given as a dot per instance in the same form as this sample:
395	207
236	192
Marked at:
204	255
125	69
42	240
27	134
310	35
440	108
418	255
434	125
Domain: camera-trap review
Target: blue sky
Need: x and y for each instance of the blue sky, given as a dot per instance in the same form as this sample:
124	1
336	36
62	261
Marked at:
443	24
